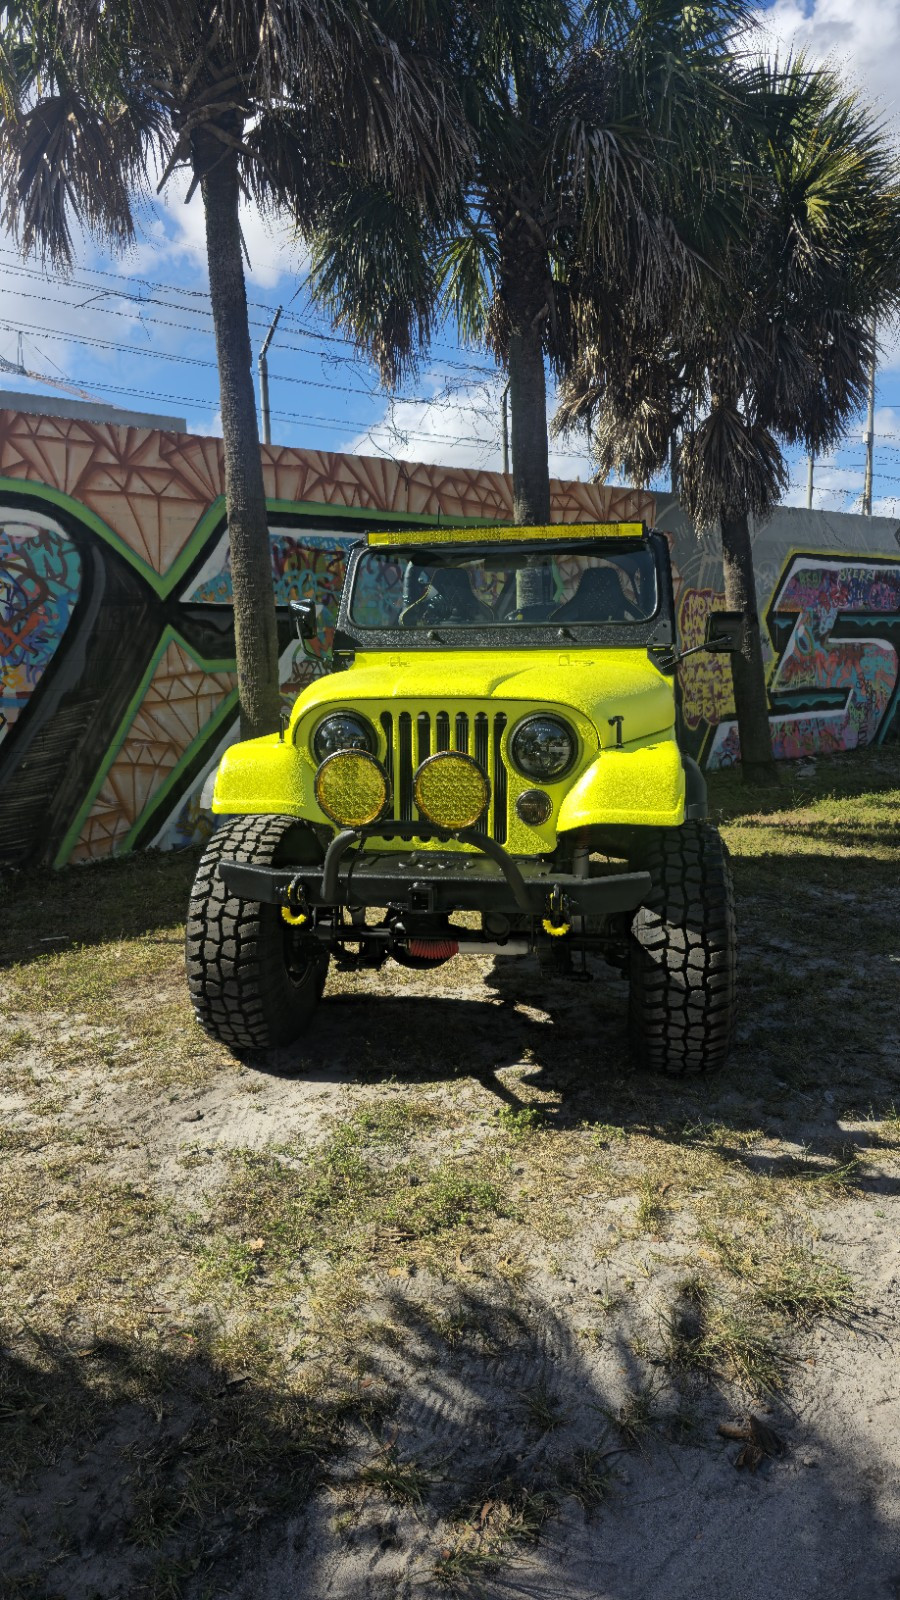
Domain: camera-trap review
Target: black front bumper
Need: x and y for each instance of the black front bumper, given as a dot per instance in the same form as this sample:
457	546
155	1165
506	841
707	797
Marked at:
434	881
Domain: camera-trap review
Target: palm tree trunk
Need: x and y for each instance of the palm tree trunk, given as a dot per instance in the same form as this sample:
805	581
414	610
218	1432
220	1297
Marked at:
747	669
255	622
528	431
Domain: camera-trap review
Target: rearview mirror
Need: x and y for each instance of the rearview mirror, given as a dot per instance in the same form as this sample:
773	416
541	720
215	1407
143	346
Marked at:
305	620
724	631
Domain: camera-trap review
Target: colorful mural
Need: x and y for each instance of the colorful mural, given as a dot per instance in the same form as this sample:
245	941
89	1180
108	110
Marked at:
834	624
117	683
40	579
706	690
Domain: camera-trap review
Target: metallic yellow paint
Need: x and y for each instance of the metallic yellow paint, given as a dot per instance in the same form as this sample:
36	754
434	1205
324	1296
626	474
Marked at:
641	784
263	775
598	683
563	530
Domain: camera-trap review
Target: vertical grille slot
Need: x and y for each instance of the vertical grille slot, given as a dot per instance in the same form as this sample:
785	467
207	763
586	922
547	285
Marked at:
411	738
499	781
481	756
387	728
404	765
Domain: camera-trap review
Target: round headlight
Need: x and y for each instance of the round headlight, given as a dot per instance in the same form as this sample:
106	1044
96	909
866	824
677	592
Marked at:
343	730
542	748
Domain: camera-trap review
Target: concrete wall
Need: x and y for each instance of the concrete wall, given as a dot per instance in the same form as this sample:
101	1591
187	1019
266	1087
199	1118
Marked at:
828	587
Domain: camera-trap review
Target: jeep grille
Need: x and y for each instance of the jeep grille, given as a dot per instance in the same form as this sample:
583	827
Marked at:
409	740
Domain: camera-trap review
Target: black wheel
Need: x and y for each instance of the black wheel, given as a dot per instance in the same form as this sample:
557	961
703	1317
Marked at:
682	953
253	979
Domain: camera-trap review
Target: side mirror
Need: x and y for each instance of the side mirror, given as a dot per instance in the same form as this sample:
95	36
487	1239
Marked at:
305	620
724	632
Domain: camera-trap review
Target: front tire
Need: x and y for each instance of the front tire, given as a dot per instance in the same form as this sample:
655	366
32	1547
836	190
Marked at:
253	980
682	954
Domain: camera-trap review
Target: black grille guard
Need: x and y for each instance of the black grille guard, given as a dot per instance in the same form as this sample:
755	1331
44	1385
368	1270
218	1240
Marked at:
433	881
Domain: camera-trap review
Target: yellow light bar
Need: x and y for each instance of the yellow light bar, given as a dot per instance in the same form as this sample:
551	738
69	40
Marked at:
492	535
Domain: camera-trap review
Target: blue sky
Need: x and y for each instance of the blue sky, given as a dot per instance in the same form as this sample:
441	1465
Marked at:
135	330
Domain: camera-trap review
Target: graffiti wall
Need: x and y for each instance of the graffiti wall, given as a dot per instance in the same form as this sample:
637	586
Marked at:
828	589
117	680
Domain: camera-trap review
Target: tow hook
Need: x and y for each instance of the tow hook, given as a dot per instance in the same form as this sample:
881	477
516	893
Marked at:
296	911
558	919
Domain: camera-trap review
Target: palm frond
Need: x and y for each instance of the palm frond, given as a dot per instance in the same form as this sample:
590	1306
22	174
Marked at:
372	272
466	273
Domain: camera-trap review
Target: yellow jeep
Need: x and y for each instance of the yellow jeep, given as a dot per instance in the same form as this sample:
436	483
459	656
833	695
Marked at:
497	735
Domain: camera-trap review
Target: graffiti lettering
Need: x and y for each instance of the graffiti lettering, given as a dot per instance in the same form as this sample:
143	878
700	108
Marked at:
835	625
706	690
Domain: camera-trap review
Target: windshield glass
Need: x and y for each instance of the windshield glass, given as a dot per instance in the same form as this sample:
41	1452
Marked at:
504	586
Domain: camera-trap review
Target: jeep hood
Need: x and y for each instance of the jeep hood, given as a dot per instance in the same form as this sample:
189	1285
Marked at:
599	683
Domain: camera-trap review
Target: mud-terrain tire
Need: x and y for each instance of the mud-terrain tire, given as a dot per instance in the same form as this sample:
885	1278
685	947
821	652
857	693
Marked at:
682	953
251	983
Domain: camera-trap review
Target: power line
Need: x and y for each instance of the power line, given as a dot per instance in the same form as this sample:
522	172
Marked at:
256	322
21	267
96	341
332	424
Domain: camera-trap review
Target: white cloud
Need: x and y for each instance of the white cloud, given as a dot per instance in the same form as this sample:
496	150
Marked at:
460	428
859	38
209	426
50	310
174	236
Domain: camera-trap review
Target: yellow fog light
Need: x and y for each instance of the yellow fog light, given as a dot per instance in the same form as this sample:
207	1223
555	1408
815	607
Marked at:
352	788
451	789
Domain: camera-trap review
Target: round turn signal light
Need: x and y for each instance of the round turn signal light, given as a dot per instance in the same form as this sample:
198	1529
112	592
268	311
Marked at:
534	807
451	790
352	788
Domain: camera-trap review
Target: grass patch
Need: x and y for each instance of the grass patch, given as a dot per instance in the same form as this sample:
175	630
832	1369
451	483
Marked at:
804	1287
543	1408
353	1201
718	1337
651	1208
520	1121
403	1482
635	1417
588	1477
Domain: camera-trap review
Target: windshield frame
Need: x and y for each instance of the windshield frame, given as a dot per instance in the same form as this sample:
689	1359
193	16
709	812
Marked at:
656	630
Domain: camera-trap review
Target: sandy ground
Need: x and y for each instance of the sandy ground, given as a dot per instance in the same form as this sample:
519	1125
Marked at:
677	1519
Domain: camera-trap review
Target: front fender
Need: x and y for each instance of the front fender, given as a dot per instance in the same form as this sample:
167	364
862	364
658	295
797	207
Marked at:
263	775
635	785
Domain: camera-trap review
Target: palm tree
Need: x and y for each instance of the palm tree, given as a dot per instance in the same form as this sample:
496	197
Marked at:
594	127
98	100
778	350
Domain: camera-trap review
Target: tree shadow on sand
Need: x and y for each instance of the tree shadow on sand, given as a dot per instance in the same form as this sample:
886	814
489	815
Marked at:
481	1448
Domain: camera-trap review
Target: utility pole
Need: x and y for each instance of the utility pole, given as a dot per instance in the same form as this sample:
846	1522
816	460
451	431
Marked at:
810	469
870	435
264	380
504	416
